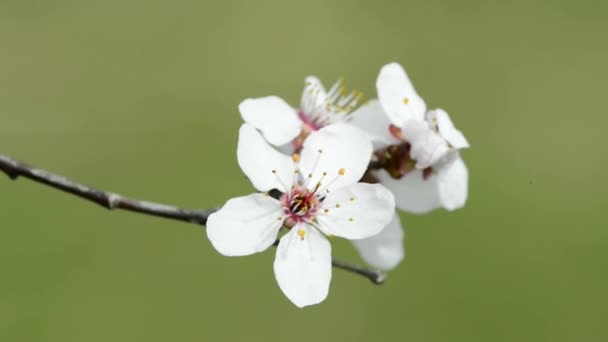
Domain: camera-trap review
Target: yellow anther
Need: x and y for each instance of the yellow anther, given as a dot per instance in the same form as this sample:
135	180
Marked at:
320	151
352	199
326	211
301	233
279	218
274	171
342	172
337	205
297	172
324	173
295	157
351	219
406	100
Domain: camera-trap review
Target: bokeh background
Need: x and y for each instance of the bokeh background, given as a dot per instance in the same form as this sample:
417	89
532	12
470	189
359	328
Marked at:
140	97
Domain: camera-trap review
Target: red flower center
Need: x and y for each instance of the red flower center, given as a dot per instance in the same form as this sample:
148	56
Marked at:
300	205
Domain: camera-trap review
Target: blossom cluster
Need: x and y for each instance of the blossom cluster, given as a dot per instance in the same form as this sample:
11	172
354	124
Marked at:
334	166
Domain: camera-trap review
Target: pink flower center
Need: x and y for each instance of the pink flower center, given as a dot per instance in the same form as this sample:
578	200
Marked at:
300	205
310	124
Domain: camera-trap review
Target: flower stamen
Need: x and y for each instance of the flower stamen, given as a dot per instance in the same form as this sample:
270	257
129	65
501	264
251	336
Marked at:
341	172
283	184
319	109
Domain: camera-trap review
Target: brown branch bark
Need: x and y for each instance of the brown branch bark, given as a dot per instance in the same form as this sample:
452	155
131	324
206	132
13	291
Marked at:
113	201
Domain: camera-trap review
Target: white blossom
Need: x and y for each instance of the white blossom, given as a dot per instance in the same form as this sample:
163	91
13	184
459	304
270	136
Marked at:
320	197
282	124
422	148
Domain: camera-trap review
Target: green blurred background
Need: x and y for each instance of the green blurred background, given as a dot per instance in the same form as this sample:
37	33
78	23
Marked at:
140	97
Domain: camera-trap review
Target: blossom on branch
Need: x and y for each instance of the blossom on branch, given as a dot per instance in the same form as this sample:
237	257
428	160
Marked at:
417	150
282	124
320	196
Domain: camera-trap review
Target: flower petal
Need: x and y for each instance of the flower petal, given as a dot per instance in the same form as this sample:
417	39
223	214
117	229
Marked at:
447	129
453	183
412	193
314	95
245	225
372	120
428	147
398	96
258	160
302	266
385	250
278	122
341	151
356	211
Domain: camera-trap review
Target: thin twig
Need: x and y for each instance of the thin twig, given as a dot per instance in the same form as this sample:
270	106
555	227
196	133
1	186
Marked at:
375	277
109	200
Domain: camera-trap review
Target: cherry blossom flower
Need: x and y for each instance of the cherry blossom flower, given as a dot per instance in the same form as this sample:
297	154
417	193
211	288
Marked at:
417	150
320	196
282	124
418	153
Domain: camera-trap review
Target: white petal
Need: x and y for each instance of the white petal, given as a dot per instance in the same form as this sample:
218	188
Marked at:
372	120
412	193
313	96
278	122
245	225
356	211
453	183
257	159
288	149
385	250
398	96
447	129
428	147
302	266
331	149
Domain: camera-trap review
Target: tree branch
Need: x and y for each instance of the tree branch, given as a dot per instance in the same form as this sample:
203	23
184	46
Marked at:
109	200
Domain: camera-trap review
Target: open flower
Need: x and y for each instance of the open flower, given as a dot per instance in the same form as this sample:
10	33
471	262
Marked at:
418	150
282	124
319	197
